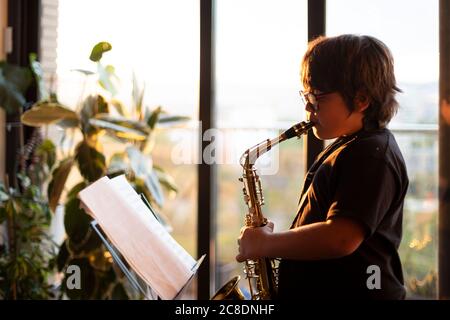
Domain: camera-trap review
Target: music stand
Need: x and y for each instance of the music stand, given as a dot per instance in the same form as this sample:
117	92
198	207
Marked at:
146	291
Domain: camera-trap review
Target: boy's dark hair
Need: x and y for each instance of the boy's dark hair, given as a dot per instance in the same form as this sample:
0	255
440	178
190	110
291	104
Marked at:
351	64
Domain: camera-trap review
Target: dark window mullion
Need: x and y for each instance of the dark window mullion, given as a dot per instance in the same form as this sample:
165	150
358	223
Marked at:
316	27
23	17
206	173
444	153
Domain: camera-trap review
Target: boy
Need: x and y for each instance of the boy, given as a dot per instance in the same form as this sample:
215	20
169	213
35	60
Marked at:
343	242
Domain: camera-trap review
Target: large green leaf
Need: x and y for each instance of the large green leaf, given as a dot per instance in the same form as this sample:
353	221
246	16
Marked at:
14	81
91	161
68	123
76	221
10	99
18	77
119	131
124	122
47	113
142	166
59	178
159	116
98	50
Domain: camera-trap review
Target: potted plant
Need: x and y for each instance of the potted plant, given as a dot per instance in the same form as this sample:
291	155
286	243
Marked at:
27	251
92	119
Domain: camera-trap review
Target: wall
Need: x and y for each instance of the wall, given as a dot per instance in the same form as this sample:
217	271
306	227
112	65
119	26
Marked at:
3	24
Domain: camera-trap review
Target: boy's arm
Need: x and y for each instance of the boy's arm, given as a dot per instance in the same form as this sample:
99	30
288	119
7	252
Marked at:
335	238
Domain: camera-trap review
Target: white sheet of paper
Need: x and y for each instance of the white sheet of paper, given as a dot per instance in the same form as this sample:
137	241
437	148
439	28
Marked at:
131	227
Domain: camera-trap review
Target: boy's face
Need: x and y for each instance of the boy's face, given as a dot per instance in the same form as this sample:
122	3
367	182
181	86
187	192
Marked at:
332	117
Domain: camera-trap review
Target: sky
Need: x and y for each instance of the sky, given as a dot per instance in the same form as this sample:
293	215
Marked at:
259	45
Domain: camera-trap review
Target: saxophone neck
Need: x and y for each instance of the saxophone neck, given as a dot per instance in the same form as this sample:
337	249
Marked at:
250	156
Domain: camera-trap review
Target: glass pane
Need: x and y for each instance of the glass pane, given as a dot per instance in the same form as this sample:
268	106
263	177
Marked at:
258	52
413	40
157	42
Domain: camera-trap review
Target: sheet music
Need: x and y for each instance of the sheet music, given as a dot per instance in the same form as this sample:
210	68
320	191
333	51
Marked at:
140	238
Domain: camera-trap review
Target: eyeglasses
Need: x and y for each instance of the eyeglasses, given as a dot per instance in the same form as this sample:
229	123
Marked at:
311	98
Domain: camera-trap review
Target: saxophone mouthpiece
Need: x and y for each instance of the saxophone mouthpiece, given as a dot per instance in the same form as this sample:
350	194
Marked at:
297	130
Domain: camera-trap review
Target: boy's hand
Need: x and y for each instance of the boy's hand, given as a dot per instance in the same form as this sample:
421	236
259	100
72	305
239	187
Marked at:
252	241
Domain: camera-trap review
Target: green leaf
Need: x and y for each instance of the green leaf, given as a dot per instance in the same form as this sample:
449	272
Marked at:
12	207
76	189
14	82
165	180
119	293
101	106
138	97
107	78
118	162
85	72
18	77
142	166
154	116
90	161
76	221
92	106
59	178
87	112
47	152
46	113
119	131
166	119
3	214
10	99
93	242
124	122
3	196
98	50
68	123
24	180
118	106
38	73
63	256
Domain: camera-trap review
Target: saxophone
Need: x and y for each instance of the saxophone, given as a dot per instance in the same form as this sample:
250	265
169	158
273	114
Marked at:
262	274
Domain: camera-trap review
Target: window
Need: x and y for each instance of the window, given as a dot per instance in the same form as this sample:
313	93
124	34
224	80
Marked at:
412	37
259	46
158	41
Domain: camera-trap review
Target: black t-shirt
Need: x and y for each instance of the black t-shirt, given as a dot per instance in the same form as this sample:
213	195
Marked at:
362	176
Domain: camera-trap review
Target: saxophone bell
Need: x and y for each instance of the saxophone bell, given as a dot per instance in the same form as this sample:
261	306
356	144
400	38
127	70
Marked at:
230	291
